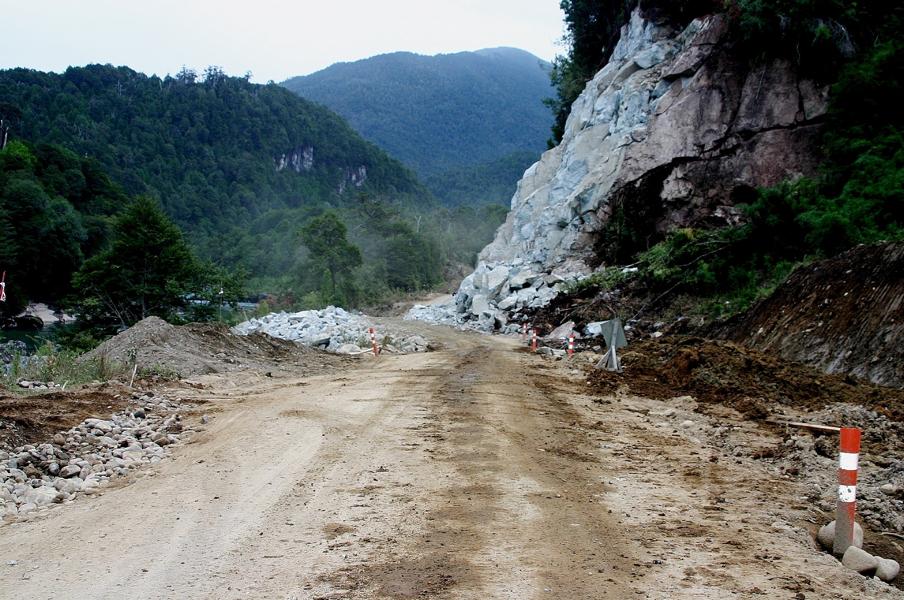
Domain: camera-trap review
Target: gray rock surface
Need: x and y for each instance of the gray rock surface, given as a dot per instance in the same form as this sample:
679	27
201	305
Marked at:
887	570
859	560
675	129
334	329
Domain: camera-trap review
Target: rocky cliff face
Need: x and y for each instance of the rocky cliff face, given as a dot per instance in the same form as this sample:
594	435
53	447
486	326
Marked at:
672	132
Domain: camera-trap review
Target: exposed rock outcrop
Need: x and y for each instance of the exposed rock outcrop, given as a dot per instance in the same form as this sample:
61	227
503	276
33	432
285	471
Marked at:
300	159
672	132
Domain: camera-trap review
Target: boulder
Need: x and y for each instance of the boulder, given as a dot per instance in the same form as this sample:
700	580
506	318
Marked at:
349	349
562	331
887	569
70	471
480	305
826	536
859	560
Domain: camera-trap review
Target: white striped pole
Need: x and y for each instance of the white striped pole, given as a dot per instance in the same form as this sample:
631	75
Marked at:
570	344
533	340
373	340
846	509
523	332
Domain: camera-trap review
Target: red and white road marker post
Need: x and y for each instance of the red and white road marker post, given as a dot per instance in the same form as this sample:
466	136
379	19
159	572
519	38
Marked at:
523	332
533	340
846	508
570	344
373	340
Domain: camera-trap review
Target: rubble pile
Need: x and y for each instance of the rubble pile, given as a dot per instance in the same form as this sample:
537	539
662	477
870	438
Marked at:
87	456
333	329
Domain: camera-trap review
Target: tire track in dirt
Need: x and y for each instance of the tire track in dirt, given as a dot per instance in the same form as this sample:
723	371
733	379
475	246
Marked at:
520	516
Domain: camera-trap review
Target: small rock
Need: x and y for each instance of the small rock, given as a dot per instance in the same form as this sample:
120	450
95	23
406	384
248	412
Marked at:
888	489
687	424
888	569
826	536
70	471
859	560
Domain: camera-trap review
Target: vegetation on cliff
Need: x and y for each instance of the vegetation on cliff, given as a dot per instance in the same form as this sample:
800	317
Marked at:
858	194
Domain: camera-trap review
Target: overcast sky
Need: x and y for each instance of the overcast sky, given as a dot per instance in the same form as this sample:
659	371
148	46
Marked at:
272	39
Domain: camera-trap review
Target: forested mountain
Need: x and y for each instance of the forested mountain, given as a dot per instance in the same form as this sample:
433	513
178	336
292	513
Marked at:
443	113
224	156
242	169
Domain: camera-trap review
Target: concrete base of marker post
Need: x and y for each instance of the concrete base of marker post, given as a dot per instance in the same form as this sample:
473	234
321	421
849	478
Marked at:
846	508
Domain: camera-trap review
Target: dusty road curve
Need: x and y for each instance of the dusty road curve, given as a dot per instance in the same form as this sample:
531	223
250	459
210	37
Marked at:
478	471
432	475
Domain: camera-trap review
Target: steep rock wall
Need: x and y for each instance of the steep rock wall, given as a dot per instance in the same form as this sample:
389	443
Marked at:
672	132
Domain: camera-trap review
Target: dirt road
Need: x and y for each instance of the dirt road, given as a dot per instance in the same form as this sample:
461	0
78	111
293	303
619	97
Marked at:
479	471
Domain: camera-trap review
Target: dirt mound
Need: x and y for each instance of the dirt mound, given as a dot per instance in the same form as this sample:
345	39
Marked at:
751	382
198	349
842	315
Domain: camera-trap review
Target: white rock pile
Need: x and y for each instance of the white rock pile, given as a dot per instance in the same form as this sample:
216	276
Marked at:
333	329
487	298
87	456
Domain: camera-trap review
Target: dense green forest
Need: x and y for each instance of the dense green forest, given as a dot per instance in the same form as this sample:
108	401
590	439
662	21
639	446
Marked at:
491	182
450	117
54	211
208	147
858	195
240	168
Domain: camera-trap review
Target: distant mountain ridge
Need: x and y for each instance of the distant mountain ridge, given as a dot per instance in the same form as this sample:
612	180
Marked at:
232	162
441	113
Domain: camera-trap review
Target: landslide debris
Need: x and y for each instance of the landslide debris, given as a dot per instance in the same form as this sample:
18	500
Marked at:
202	348
35	418
842	315
749	381
88	455
336	330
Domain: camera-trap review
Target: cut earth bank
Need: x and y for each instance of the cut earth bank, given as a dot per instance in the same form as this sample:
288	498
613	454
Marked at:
475	471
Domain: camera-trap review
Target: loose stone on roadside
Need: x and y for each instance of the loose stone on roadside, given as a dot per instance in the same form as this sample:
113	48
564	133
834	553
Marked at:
82	459
859	560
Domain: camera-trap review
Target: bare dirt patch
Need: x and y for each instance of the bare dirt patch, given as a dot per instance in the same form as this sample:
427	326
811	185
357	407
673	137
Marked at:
727	374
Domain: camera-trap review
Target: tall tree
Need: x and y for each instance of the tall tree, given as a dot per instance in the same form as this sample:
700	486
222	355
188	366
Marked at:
326	238
148	269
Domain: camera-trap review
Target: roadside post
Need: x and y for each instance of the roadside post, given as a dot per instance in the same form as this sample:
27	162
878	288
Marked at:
846	508
533	340
570	344
523	332
373	340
